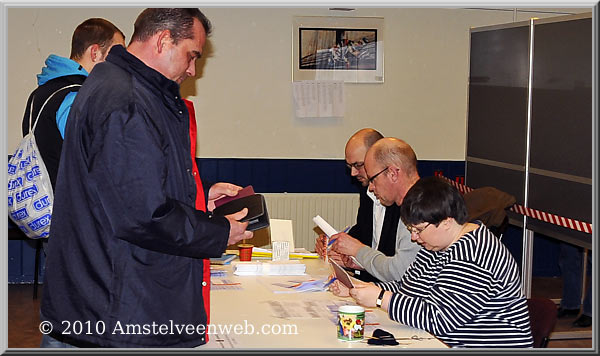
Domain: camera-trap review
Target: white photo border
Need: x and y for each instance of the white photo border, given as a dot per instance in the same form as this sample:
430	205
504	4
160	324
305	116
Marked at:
348	76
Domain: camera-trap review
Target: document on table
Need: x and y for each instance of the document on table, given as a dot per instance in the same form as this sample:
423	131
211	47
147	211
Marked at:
224	284
297	286
217	271
269	268
225	340
295	309
305	309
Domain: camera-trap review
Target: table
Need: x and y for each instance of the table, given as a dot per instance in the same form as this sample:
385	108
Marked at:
268	320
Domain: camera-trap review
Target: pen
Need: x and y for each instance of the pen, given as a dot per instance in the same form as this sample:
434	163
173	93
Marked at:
327	249
330	281
332	241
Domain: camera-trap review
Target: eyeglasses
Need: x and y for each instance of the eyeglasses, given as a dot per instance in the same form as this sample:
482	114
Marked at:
375	176
416	230
355	165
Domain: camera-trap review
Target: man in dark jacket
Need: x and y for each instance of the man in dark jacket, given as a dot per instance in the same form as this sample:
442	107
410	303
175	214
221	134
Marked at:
91	41
129	257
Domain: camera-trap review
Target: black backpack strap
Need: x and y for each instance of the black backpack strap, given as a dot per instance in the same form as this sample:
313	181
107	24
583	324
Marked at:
30	102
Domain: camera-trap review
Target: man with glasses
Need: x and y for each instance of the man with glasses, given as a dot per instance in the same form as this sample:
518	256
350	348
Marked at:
378	247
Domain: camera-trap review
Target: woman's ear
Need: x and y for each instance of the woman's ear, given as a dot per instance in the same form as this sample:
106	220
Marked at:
447	223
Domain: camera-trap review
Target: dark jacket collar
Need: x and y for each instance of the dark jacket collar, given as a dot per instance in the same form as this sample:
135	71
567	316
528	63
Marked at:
122	58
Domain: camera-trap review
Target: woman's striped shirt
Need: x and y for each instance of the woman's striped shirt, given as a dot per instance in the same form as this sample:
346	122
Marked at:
468	295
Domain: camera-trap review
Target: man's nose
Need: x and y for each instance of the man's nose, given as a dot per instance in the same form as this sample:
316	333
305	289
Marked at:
191	71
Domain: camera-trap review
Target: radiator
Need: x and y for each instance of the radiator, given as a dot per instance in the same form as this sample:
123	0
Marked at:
339	210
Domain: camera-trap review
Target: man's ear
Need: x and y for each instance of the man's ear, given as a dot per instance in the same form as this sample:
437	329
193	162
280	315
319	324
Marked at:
95	53
394	173
163	39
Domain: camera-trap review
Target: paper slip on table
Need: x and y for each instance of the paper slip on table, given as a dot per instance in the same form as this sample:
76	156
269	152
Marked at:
293	321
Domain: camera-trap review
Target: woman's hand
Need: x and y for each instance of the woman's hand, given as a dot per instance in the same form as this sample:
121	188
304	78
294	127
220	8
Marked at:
339	289
365	294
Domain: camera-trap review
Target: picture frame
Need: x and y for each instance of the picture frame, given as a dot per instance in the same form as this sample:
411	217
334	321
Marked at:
349	49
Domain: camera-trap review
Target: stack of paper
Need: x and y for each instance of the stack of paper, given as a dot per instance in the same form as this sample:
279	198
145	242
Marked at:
269	268
298	253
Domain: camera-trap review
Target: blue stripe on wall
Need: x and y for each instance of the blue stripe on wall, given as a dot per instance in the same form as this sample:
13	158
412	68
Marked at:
301	175
292	176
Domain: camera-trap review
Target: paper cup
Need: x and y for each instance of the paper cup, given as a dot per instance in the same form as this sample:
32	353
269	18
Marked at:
245	252
351	323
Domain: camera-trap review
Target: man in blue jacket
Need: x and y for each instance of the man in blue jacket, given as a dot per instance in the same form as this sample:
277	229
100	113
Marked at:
91	41
128	258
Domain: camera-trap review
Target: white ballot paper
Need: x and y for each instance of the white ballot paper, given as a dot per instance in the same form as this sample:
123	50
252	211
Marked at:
324	225
330	231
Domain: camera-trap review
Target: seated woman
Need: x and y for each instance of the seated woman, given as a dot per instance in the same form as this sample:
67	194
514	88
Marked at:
464	285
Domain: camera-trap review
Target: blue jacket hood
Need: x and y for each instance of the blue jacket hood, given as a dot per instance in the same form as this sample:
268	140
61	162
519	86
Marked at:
57	66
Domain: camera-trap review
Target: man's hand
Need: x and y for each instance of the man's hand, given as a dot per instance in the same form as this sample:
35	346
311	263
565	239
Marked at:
320	245
348	262
237	230
320	249
220	190
346	244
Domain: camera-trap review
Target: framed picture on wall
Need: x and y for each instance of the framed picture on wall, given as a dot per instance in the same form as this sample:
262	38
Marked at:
349	49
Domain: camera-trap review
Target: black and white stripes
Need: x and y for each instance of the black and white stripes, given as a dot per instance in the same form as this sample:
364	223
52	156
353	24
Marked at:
468	295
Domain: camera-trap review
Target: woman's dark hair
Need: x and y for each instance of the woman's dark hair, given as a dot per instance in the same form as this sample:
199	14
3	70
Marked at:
179	21
433	200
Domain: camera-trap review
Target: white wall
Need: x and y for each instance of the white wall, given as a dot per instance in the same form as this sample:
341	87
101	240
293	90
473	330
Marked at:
243	94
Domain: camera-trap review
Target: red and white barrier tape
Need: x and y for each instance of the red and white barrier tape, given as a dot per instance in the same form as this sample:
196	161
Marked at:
536	214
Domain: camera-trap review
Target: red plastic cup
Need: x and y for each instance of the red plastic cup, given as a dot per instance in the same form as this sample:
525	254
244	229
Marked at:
245	252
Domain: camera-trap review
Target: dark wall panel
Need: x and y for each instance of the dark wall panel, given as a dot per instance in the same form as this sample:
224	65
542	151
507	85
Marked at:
561	126
507	180
569	199
498	95
561	143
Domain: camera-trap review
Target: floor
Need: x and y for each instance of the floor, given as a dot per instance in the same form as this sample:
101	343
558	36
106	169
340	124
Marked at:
23	316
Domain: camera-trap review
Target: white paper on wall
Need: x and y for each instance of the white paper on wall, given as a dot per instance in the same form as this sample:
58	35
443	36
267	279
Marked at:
319	98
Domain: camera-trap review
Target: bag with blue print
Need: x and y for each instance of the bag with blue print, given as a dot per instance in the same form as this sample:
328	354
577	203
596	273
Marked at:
30	194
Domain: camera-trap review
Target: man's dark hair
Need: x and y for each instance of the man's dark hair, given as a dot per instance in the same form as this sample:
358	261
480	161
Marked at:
433	200
179	21
93	31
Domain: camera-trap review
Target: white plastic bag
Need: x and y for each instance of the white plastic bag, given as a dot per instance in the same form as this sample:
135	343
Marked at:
30	193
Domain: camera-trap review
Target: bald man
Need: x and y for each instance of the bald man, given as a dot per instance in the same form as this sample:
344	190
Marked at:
390	167
376	225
